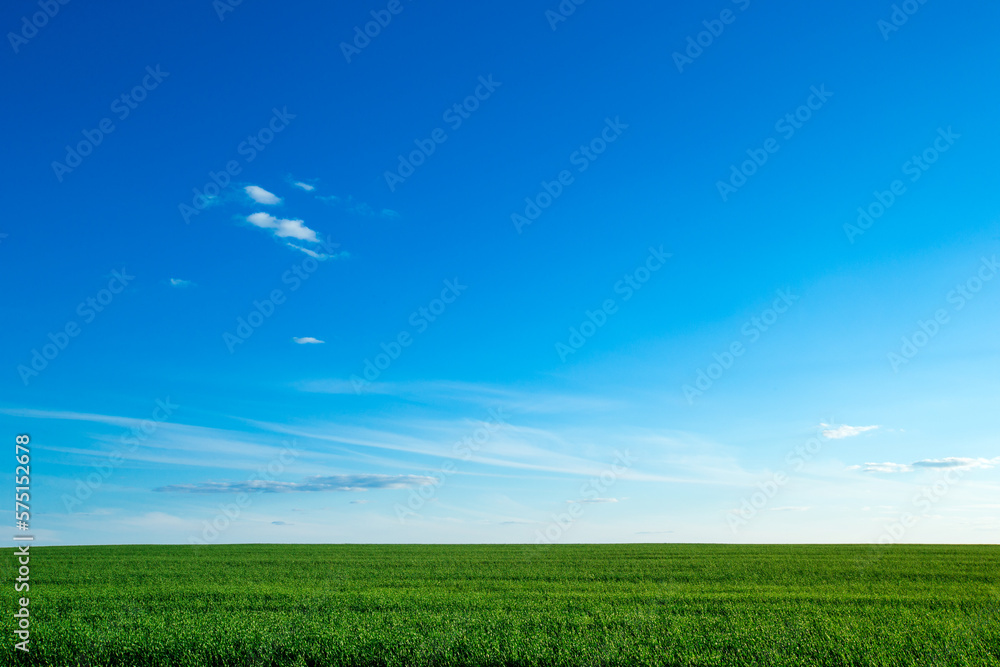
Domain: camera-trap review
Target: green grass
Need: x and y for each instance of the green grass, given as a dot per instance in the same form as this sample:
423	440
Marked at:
509	605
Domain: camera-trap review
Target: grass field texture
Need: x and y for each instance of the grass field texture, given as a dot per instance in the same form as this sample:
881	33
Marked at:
509	605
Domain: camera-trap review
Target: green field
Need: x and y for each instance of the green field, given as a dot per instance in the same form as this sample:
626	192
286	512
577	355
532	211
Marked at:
510	605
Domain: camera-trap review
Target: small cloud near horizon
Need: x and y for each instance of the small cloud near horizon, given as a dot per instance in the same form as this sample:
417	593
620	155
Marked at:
845	431
177	282
947	462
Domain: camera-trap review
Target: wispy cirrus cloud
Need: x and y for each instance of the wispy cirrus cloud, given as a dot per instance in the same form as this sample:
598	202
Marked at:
845	431
887	466
262	196
177	282
352	205
359	482
521	400
947	462
957	462
321	256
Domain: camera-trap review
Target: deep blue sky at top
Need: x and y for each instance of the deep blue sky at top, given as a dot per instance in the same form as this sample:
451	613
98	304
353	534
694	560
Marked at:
352	121
656	185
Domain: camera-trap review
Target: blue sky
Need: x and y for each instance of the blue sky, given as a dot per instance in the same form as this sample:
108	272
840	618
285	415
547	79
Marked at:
718	273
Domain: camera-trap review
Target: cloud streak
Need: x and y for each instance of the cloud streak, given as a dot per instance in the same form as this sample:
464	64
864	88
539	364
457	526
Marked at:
352	205
309	484
948	462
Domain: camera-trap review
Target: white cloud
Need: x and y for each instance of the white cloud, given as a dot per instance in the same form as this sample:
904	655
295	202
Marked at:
295	229
304	186
791	508
594	500
845	431
262	196
307	340
177	282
